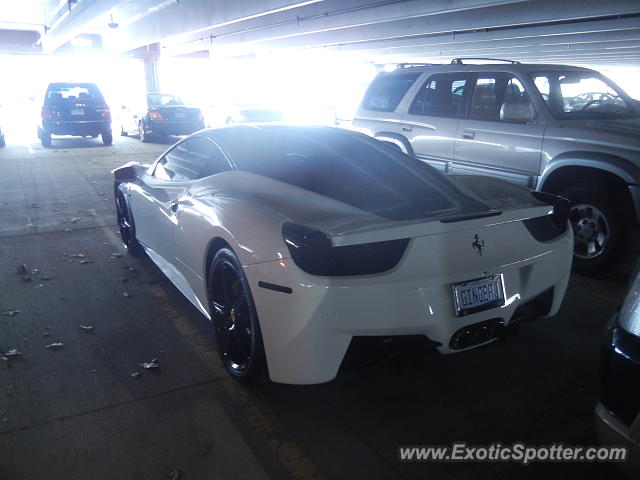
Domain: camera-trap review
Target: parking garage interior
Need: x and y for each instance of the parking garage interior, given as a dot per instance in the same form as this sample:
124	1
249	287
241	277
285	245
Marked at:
82	317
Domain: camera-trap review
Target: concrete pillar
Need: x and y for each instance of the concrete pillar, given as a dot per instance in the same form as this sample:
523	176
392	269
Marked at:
150	56
151	78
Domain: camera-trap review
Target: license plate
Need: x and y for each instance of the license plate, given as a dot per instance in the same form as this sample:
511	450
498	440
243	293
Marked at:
77	111
180	115
478	295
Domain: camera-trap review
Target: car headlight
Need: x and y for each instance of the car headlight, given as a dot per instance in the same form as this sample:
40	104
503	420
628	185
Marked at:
313	252
629	317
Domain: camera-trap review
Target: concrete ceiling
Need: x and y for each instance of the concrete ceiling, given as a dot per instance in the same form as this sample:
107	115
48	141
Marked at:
589	32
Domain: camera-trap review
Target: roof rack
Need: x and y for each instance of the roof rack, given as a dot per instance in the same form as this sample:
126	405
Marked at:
459	61
410	65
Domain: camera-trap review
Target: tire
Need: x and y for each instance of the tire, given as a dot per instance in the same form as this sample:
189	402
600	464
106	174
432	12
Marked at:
126	225
235	320
599	230
45	139
144	136
107	137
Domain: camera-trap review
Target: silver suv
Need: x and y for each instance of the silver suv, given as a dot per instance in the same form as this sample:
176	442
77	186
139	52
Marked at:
556	128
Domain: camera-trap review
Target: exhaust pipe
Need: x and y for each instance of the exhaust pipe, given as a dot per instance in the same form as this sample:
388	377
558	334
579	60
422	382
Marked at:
477	334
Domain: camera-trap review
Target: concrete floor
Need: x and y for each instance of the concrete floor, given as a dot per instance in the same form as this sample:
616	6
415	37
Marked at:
77	413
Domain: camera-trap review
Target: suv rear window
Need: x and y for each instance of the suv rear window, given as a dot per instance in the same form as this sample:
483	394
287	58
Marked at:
59	92
386	91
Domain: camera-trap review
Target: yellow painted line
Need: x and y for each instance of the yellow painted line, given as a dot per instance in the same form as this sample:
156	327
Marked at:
257	414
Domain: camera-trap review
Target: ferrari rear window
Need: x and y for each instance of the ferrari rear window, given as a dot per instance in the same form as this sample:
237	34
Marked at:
347	167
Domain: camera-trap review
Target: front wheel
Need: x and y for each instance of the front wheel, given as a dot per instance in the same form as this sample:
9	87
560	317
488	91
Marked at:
125	223
107	137
598	227
236	320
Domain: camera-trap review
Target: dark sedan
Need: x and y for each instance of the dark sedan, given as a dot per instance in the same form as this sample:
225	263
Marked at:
164	114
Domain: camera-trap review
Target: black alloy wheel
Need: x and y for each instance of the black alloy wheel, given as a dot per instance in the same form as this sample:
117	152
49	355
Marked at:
235	320
125	224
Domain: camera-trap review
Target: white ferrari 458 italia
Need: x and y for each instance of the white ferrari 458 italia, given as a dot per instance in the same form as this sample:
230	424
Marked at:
296	240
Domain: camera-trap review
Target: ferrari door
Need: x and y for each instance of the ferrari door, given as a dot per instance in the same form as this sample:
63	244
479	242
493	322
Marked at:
155	200
192	231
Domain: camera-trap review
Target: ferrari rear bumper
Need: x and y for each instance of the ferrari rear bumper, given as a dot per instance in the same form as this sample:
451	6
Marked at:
308	326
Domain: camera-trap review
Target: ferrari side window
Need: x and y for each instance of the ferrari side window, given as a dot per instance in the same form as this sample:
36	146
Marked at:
192	159
208	156
174	166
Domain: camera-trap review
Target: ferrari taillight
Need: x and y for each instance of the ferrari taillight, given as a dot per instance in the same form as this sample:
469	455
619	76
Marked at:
313	252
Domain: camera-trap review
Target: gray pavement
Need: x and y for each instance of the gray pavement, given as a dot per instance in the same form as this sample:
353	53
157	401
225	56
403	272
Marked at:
77	413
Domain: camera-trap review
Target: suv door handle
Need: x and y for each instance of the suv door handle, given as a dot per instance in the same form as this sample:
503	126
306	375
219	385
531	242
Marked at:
407	128
468	135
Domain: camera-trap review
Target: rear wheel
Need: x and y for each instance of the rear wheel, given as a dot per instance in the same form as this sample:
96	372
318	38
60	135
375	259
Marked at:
107	137
598	227
45	139
236	320
144	136
125	223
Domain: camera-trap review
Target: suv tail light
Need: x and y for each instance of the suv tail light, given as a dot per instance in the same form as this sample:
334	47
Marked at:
46	113
105	112
155	116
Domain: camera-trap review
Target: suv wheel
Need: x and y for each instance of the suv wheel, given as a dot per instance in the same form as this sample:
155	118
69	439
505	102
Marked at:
107	137
45	139
599	229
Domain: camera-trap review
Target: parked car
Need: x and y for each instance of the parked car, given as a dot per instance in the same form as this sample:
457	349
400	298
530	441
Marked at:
163	114
295	240
565	130
253	114
76	109
618	413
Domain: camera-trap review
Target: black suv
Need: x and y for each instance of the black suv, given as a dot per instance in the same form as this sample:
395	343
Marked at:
77	109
